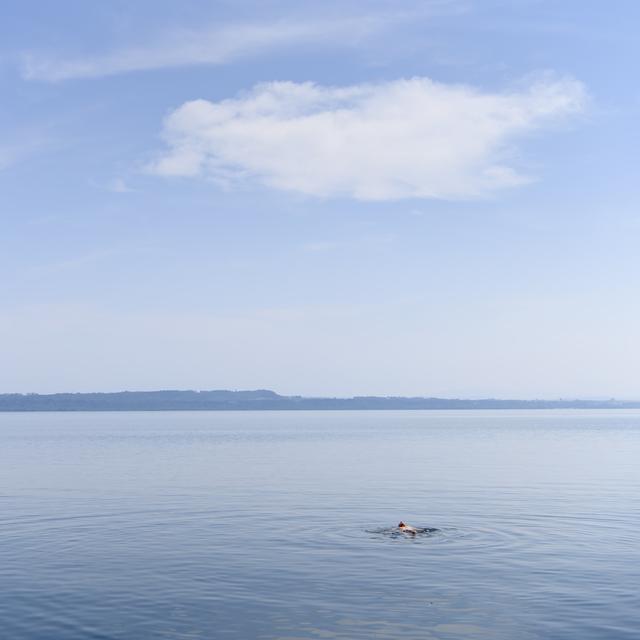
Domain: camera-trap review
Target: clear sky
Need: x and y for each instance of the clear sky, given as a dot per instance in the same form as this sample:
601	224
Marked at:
321	198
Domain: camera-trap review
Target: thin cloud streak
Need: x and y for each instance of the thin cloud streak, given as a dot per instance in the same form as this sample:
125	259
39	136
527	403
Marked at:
215	45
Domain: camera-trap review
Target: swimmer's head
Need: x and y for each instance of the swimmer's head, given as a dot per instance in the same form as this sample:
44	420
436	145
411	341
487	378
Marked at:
402	524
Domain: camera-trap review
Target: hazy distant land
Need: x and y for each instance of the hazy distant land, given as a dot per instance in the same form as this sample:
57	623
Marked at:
263	399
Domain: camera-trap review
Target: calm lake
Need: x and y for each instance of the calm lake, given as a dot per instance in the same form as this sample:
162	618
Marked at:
279	525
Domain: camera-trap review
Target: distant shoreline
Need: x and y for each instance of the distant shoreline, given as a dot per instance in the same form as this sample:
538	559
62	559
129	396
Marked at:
266	400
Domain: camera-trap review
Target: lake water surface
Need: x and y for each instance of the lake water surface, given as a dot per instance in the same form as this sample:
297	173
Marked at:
274	525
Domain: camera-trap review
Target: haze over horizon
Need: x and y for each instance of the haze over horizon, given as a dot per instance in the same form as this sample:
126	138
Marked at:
420	198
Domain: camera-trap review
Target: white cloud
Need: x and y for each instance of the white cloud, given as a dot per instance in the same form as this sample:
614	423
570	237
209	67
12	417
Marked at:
213	45
410	138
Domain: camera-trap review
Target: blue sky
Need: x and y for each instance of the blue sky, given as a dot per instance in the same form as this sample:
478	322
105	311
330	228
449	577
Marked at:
431	198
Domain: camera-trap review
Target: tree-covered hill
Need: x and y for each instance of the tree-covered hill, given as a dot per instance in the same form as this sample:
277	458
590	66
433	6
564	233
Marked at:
262	399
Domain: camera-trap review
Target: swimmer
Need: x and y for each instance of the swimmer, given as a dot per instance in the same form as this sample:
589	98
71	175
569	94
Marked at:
407	528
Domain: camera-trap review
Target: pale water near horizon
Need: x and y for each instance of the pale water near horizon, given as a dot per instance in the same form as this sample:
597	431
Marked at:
275	525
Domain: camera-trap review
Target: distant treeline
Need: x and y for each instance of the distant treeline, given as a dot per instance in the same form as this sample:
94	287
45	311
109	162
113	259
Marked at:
264	400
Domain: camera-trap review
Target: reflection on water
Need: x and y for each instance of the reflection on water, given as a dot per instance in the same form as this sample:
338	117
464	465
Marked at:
282	525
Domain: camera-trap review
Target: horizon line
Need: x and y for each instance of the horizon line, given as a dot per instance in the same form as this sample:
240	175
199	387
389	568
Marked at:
330	397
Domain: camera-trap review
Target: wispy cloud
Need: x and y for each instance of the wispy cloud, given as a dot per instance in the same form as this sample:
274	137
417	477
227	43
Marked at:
20	146
73	263
372	241
119	185
8	156
115	185
214	45
320	246
410	138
